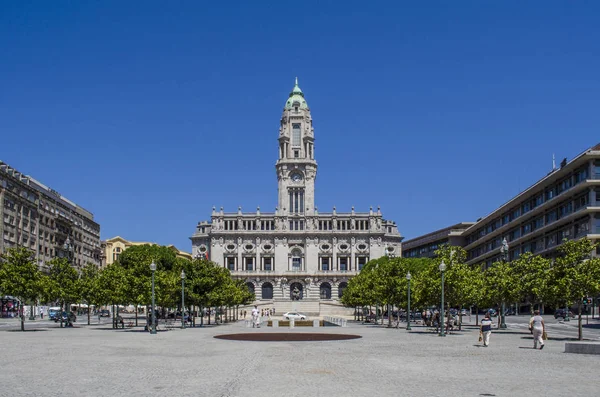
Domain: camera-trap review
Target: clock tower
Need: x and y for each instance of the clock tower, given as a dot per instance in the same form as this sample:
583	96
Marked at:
296	167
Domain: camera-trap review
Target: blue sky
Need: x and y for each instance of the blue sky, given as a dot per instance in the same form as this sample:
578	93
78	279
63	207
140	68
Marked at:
149	113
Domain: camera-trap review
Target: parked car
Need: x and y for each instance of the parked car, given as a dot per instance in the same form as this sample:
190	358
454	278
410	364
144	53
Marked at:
53	313
509	312
492	312
464	312
69	317
562	313
294	316
104	313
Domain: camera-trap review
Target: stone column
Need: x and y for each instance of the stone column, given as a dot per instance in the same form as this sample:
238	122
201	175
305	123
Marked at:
334	264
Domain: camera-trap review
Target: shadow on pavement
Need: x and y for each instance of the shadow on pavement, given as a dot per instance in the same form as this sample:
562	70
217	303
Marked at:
28	330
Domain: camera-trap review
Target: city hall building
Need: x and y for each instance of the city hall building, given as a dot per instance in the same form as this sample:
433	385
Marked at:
296	258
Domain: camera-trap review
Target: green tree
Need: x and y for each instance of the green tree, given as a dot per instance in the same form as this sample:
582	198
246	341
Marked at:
20	277
500	285
61	283
88	287
575	274
532	273
112	284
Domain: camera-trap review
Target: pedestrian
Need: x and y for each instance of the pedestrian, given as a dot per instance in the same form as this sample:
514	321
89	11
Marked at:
244	314
538	328
41	313
255	317
486	329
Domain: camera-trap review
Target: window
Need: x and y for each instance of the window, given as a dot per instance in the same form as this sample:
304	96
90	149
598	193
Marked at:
296	260
343	264
249	263
267	291
268	264
325	264
295	135
341	288
551	216
296	154
361	262
116	254
231	263
539	222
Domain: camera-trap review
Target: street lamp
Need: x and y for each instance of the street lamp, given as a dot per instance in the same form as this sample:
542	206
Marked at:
153	326
68	248
504	252
441	321
408	277
182	299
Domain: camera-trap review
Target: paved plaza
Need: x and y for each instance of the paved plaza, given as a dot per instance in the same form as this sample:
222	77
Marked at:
99	361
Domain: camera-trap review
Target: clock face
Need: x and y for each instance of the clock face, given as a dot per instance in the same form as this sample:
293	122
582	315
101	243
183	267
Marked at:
296	177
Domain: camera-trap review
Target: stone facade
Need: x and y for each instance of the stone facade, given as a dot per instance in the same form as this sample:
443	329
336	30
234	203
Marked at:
41	219
296	258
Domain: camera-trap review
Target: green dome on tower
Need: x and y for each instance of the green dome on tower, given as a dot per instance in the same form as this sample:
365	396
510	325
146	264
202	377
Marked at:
296	97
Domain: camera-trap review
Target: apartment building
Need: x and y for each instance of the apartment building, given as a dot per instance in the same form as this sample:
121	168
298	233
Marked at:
565	204
41	219
426	245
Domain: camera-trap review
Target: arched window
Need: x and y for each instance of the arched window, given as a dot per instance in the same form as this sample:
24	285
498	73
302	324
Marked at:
296	135
250	287
267	291
116	253
341	288
296	260
325	291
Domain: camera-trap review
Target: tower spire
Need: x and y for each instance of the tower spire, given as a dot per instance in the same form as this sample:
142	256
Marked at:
296	80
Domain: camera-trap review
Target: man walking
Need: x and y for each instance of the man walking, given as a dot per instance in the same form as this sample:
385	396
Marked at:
255	317
486	329
537	327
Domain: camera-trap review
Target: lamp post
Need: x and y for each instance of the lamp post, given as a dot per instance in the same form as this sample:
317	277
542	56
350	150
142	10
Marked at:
68	248
504	252
153	325
182	299
442	270
408	277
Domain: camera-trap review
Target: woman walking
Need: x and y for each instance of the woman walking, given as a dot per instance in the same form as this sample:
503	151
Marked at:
538	328
486	329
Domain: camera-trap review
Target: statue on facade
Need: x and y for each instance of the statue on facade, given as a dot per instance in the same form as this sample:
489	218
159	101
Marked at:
295	294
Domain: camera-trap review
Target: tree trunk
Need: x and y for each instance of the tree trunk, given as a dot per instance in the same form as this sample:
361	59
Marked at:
389	316
579	324
22	317
460	319
476	315
89	314
136	315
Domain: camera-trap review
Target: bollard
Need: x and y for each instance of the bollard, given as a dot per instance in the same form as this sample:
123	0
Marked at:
316	323
275	323
292	323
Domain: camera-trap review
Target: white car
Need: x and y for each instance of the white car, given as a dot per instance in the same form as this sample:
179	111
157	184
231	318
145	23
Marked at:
294	316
